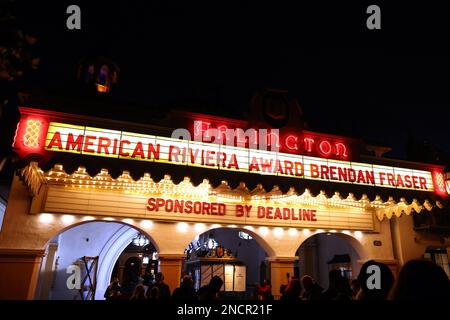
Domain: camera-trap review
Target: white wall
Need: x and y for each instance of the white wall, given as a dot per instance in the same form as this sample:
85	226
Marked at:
72	245
248	251
326	247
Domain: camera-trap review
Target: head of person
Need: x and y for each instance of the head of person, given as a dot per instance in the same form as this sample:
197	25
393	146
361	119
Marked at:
294	288
334	277
159	277
187	282
343	286
421	280
154	293
307	282
371	287
139	290
216	284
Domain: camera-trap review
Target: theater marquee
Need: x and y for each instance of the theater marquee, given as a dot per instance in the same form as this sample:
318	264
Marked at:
211	209
36	135
61	137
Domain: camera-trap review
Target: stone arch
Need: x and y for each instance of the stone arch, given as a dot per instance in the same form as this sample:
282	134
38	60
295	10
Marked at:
353	241
110	250
315	256
58	231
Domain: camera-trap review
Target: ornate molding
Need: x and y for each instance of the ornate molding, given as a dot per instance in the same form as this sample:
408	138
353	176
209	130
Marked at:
34	177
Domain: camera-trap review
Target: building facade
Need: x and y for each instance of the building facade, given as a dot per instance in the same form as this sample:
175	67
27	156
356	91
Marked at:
86	186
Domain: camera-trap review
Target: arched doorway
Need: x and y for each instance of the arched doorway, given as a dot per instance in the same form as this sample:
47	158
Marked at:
237	255
103	241
137	264
324	251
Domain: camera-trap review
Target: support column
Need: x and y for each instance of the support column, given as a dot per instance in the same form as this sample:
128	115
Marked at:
47	273
170	265
19	272
279	268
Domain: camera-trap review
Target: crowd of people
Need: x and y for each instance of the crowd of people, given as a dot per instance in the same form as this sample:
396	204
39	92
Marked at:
417	280
159	291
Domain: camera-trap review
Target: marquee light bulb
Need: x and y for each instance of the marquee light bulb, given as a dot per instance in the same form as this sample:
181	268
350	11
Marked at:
182	227
306	232
264	231
200	227
292	232
146	224
67	219
278	232
358	234
45	218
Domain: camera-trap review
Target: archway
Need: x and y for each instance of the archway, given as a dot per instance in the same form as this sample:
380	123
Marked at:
96	238
237	255
325	251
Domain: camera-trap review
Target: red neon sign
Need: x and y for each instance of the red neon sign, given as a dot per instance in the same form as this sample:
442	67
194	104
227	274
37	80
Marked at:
439	183
325	146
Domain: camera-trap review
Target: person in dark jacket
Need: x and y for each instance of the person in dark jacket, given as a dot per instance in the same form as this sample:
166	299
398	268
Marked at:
421	280
138	293
333	281
293	291
186	290
163	288
312	291
113	292
386	281
211	290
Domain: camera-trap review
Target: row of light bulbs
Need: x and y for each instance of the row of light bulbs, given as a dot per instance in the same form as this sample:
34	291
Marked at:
103	180
199	228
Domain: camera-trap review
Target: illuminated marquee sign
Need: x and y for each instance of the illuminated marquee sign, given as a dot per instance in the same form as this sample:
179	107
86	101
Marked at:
187	207
62	137
212	209
254	213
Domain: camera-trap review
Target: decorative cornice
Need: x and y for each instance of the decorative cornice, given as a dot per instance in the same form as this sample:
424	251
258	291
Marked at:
33	178
80	179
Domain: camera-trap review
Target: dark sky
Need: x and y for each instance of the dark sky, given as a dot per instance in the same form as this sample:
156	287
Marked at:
347	80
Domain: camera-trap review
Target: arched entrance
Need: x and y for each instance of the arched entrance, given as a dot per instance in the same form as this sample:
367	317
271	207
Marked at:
325	251
237	255
101	240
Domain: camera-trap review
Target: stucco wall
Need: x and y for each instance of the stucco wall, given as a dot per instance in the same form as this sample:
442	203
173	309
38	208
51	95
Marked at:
84	240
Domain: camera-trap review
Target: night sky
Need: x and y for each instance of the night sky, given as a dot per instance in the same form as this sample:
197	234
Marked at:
182	56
